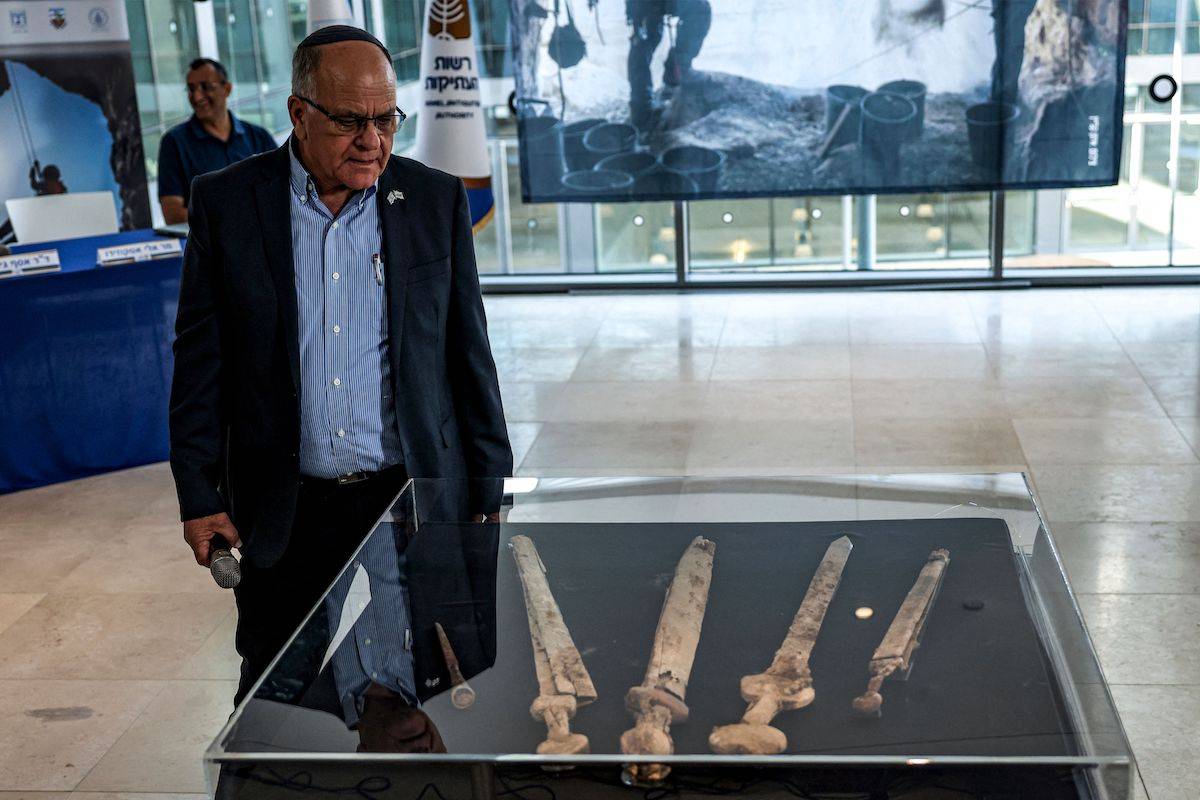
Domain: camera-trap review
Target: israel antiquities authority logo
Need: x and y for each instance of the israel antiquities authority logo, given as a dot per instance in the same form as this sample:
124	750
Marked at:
449	19
99	19
18	21
58	18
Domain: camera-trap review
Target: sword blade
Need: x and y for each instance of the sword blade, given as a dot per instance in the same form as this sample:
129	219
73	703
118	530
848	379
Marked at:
910	619
802	634
682	616
559	666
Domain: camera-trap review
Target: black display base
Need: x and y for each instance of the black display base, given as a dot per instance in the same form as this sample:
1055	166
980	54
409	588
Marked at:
265	781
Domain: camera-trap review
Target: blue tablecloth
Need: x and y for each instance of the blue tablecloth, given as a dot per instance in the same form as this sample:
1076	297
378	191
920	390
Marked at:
85	364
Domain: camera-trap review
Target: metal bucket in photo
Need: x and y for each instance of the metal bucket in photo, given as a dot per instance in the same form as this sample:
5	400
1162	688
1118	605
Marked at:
885	120
597	182
659	182
636	163
701	164
914	91
609	139
576	155
542	137
987	127
841	99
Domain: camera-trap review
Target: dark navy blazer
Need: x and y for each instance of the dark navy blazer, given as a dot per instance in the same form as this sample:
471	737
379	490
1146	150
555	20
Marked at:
235	418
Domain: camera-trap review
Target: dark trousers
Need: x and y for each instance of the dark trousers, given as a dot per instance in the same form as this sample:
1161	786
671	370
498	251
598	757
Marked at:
331	520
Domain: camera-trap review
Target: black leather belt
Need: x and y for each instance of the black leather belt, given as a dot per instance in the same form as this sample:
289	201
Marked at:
353	478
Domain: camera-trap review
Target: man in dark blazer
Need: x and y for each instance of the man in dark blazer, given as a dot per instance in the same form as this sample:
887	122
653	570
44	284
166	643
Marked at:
330	343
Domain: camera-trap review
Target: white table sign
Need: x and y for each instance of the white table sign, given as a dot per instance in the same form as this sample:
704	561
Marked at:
141	251
29	263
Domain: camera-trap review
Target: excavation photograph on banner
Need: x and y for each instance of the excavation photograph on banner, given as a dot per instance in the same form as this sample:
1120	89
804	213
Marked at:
692	99
68	108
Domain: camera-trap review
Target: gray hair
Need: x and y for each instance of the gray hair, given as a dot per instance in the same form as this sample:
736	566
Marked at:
305	62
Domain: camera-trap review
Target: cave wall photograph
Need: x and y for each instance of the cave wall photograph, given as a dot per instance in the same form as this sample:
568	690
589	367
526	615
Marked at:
68	104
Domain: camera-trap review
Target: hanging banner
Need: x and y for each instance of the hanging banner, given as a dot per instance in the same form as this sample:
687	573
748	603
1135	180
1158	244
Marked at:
451	135
689	99
68	105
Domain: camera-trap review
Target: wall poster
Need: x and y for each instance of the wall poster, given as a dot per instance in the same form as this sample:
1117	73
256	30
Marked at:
688	99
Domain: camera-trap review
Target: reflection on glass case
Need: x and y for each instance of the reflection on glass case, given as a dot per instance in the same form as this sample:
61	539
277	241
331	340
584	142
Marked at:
905	636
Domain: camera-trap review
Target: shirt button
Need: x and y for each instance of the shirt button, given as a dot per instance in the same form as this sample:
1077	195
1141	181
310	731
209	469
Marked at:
337	328
335	226
341	433
337	275
368	641
337	381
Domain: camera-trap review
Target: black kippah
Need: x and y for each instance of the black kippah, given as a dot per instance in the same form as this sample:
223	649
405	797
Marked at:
341	33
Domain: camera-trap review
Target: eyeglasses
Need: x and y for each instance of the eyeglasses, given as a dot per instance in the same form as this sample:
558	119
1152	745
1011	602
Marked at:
385	124
207	87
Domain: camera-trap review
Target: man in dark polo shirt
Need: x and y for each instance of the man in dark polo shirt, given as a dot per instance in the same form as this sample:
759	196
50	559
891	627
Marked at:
211	140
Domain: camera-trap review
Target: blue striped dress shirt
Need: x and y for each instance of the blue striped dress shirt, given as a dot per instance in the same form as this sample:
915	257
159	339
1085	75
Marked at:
347	416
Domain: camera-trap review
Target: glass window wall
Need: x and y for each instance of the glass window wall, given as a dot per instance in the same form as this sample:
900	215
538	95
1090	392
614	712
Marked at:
162	36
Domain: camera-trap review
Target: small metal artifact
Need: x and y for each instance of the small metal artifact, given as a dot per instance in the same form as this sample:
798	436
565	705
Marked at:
461	693
903	637
563	680
787	683
659	701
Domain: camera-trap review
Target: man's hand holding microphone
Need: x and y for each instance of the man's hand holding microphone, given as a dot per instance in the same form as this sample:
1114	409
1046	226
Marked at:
211	539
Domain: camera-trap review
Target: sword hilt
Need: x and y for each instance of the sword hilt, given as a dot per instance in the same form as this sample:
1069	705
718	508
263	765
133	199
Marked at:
556	710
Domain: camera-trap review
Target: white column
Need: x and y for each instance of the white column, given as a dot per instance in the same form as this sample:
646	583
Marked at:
377	15
206	31
323	13
847	232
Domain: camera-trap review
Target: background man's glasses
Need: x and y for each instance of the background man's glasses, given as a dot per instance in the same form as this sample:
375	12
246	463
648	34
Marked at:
207	87
385	124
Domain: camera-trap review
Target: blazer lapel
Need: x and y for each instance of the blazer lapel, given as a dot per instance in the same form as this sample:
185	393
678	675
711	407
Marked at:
275	221
394	221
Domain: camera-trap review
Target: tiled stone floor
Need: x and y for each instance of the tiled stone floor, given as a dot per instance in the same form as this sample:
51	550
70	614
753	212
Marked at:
116	655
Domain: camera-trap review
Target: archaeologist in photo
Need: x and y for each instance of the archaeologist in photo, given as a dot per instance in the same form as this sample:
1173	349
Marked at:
647	18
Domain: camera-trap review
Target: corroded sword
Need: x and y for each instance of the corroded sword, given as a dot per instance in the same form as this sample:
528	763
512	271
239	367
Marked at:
563	680
659	701
904	636
787	683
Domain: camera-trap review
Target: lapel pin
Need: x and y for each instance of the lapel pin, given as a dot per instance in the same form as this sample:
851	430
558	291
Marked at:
394	195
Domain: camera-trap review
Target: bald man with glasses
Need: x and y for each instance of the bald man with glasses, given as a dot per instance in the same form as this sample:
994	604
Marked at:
330	343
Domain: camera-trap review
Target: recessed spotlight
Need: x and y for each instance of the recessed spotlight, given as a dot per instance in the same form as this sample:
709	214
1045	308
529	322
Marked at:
727	217
531	224
816	213
905	211
639	220
1162	88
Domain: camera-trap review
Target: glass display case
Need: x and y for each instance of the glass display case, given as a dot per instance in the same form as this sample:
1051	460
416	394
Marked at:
890	636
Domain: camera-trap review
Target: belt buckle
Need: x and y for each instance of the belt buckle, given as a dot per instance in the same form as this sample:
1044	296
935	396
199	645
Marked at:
352	477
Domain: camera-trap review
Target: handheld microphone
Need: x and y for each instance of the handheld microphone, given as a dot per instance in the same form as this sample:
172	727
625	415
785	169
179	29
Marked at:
225	569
